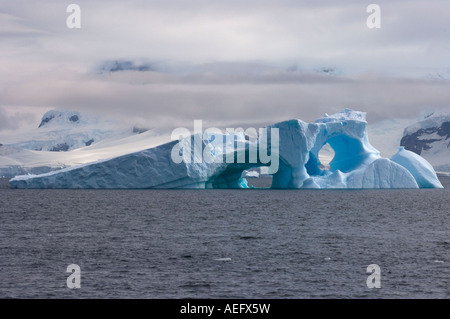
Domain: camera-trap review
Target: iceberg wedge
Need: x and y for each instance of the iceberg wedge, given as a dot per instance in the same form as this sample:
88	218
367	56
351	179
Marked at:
419	167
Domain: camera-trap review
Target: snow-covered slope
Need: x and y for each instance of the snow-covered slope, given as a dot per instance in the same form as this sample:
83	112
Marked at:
17	161
294	148
430	138
61	131
66	138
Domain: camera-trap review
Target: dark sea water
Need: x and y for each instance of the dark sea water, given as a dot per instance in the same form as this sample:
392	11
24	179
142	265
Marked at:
255	243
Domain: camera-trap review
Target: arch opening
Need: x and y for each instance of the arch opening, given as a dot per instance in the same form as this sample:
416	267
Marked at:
326	155
258	177
319	163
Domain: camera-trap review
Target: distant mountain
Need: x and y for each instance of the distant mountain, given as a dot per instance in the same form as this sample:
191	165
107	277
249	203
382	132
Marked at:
125	65
261	71
60	117
62	131
430	138
65	138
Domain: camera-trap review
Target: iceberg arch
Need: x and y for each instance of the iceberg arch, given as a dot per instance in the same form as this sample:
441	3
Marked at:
356	163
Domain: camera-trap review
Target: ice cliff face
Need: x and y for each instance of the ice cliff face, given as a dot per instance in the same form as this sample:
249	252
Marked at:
356	163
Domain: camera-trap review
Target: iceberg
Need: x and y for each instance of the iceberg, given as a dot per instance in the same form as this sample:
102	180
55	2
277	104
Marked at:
419	167
294	149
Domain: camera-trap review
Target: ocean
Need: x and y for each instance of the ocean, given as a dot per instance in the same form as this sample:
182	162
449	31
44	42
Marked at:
254	243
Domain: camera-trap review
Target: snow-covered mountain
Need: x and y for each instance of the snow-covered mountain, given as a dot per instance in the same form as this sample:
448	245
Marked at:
430	138
66	138
61	131
259	71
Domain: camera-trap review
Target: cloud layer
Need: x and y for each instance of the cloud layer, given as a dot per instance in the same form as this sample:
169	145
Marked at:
226	62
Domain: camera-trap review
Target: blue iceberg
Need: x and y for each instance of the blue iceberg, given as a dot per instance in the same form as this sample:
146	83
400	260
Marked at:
292	155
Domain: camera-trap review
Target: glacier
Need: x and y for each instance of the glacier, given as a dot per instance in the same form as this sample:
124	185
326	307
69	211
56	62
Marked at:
356	163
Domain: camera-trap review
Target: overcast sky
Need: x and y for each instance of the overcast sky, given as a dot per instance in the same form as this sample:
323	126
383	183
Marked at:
225	62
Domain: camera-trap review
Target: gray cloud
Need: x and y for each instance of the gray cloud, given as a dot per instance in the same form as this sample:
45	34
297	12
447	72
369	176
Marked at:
172	100
225	61
15	120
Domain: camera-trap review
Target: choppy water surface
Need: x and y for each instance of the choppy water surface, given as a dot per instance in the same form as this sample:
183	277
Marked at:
225	243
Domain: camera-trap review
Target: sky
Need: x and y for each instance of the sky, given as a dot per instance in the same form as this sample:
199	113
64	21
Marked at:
227	63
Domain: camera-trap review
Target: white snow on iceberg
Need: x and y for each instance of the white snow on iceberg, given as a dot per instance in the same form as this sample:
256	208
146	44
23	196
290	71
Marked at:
422	171
356	163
